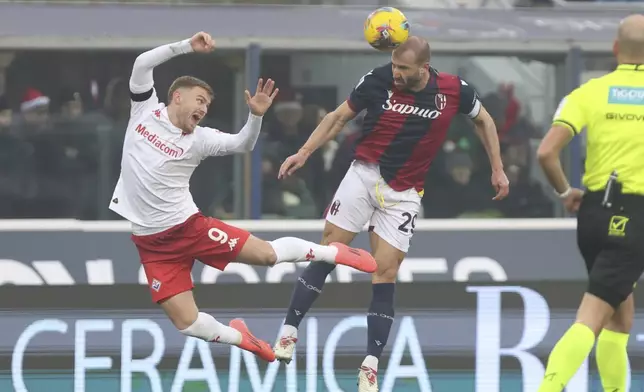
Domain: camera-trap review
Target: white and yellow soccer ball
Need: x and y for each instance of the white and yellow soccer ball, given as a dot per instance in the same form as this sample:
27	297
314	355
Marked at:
386	28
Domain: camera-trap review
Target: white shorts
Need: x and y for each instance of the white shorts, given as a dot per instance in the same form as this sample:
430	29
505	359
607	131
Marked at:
364	197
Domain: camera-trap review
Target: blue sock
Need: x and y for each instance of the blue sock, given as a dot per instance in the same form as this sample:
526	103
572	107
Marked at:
307	289
380	317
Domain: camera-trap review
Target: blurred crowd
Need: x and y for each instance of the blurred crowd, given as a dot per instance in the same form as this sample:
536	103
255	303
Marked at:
60	152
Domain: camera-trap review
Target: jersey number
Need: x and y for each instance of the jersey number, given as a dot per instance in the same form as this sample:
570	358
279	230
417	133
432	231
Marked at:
409	220
218	235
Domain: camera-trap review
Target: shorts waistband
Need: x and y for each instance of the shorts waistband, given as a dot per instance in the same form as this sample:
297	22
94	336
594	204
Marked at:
171	229
622	201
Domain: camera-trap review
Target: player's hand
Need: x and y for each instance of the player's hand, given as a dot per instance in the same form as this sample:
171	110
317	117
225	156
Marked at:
292	163
501	184
263	98
573	200
202	43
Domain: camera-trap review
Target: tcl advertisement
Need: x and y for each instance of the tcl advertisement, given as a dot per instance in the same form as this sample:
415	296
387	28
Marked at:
447	337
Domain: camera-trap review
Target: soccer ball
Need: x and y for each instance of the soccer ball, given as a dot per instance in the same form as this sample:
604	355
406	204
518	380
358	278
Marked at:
386	28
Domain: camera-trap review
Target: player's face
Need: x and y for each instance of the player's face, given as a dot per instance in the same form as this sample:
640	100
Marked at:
193	107
407	73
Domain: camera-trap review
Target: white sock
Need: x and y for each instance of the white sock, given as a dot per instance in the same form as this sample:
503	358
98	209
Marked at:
288	330
211	330
295	250
371	362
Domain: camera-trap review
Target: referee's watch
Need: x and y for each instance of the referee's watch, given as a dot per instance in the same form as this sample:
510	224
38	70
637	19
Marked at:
564	194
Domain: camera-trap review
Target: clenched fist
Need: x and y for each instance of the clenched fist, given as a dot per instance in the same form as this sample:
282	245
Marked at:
202	43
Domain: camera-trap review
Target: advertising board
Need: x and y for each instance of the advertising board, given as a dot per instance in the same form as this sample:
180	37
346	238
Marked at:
447	336
101	253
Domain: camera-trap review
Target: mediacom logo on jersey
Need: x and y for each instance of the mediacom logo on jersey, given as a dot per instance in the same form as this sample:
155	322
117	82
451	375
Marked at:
626	95
160	144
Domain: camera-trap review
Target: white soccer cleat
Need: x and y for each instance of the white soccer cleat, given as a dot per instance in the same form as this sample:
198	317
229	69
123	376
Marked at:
367	379
284	348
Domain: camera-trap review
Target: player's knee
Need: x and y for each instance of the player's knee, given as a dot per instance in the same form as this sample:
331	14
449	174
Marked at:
333	233
619	324
387	271
258	252
181	319
622	320
327	234
266	254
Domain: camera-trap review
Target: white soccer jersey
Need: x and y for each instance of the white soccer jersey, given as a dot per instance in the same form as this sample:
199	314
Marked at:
158	158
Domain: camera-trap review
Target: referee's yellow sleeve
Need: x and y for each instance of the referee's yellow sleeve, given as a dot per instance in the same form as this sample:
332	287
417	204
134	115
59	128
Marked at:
571	113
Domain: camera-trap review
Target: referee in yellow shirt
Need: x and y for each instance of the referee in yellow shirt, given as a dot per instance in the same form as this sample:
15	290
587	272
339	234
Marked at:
610	213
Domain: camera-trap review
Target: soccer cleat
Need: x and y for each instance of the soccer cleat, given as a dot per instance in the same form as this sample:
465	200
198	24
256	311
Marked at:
367	379
355	258
250	343
284	348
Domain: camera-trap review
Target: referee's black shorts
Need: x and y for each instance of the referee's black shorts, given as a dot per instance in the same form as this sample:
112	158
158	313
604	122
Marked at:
611	242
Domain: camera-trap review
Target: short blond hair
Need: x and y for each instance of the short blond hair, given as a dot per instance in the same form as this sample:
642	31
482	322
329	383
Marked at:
188	82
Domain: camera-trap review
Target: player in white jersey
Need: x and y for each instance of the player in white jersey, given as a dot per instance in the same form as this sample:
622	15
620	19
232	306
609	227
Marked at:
163	145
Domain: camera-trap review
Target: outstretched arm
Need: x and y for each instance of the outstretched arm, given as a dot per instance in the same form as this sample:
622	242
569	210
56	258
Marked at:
218	143
142	80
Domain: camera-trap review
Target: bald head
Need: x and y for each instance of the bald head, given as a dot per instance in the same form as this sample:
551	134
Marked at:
418	46
629	46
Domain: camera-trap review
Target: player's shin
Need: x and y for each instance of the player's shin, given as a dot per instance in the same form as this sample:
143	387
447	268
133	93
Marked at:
307	290
380	318
567	356
209	329
295	250
612	360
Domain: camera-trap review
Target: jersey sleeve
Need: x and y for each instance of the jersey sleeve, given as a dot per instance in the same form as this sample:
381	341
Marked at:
469	104
142	92
364	91
215	142
142	101
570	112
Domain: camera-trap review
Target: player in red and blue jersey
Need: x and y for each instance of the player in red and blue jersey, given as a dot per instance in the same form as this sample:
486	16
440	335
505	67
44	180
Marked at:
409	107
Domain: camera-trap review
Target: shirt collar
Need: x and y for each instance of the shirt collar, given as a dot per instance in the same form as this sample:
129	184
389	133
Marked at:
165	119
630	67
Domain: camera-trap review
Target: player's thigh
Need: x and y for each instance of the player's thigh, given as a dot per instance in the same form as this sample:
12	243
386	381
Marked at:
181	309
216	243
168	278
351	207
395	224
391	230
615	272
167	269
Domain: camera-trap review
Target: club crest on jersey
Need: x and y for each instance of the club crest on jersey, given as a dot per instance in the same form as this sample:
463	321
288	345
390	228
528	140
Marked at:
441	101
403	108
156	285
